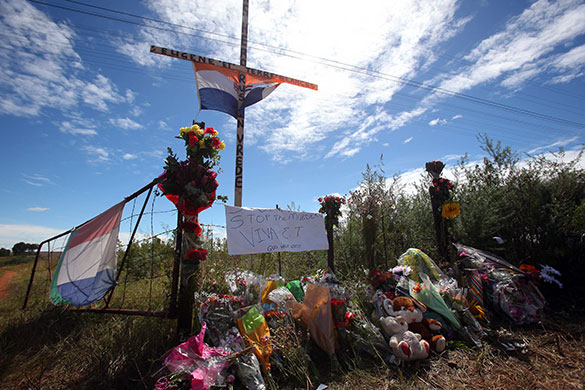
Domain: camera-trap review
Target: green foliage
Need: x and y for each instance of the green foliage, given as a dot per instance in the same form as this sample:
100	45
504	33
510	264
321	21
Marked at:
151	256
537	206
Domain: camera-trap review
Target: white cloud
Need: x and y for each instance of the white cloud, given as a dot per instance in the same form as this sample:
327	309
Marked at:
395	44
99	92
36	180
98	154
526	39
437	121
129	156
571	63
408	140
33	234
458	116
555	145
77	127
126	123
37	209
41	68
522	50
450	157
403	35
163	125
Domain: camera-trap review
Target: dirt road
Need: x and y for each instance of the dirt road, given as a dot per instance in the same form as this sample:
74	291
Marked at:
5	278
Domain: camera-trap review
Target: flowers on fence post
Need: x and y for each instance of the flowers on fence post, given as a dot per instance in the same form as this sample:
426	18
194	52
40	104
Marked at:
331	207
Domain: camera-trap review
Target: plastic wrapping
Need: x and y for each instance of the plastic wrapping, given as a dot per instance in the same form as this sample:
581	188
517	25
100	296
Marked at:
420	263
204	363
315	314
296	289
507	289
280	295
217	311
246	284
254	329
428	294
365	338
248	370
270	286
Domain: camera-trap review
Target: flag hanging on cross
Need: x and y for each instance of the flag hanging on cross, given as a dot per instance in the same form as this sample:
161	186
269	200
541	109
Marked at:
229	88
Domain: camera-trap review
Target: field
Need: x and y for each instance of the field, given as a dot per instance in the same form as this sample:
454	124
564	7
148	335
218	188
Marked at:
48	347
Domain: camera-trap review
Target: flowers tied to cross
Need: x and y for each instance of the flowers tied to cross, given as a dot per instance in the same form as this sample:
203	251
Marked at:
191	183
331	207
202	144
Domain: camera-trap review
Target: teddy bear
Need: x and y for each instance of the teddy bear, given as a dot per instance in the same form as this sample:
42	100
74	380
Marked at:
404	344
412	311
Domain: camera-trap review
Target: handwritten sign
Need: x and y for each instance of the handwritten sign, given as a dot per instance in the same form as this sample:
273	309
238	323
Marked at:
270	230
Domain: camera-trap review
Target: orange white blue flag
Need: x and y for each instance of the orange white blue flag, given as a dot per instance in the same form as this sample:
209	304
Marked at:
85	272
217	88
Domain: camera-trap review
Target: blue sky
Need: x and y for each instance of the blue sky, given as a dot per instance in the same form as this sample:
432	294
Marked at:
87	112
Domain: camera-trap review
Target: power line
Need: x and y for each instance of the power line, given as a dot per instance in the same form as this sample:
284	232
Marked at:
324	61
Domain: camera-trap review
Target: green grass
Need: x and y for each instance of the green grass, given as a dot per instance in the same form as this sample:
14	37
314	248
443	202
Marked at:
19	259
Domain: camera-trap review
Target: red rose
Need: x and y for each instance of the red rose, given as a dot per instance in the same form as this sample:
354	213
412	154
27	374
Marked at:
196	254
192	139
320	200
194	228
215	142
209	130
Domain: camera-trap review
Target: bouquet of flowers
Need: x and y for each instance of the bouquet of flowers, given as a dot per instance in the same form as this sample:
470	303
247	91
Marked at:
191	184
218	312
289	345
331	207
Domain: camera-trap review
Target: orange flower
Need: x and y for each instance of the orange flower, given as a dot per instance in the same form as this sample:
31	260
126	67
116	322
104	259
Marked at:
450	210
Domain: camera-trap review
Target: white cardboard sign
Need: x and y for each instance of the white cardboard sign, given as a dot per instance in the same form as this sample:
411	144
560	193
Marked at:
270	230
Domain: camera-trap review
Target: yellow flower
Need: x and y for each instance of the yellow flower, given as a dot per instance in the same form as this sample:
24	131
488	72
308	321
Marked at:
202	144
182	131
194	128
450	210
221	145
199	132
215	133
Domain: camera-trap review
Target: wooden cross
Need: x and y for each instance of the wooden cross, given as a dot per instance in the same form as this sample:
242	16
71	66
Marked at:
243	71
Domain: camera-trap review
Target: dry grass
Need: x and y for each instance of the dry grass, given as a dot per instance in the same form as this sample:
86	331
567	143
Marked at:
555	360
50	348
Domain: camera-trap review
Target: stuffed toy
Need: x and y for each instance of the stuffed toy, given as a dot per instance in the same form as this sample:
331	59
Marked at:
404	344
412	311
